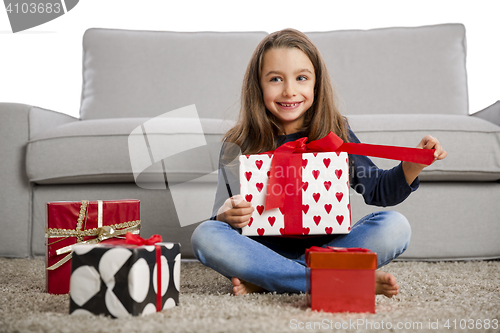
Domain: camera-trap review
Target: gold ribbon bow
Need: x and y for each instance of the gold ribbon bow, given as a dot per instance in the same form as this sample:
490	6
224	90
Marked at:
100	233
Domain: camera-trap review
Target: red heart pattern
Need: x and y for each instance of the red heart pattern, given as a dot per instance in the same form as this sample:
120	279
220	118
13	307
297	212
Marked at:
328	230
316	196
317	219
251	221
316	174
340	219
248	197
326	162
305	185
259	186
327	184
338	173
248	175
304	162
271	220
305	208
339	196
260	209
259	163
328	208
306	231
261	231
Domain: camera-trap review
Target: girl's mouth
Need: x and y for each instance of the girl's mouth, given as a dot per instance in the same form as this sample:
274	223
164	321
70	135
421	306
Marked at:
289	105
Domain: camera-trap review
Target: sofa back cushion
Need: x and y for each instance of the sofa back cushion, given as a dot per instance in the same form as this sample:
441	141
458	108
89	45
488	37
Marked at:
146	73
130	73
398	70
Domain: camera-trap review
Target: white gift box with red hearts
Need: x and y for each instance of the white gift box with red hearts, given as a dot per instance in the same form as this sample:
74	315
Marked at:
323	187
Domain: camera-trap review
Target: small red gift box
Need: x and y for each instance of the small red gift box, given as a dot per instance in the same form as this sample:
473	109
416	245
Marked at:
341	279
83	222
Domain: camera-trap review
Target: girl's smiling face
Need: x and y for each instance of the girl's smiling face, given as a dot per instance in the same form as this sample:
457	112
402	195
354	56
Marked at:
287	80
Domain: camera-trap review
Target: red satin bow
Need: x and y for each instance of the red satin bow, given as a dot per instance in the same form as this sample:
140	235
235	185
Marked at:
131	238
282	156
331	143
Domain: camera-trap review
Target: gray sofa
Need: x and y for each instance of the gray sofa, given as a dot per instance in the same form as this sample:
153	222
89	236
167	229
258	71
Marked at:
395	86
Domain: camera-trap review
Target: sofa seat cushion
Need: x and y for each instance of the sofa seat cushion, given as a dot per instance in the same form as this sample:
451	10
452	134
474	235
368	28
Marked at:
472	144
97	151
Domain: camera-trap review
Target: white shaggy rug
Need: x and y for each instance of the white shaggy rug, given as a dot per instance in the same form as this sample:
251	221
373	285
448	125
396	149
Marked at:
434	297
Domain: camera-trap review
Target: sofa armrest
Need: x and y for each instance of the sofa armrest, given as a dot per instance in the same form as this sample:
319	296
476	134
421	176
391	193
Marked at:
491	113
41	120
18	124
15	194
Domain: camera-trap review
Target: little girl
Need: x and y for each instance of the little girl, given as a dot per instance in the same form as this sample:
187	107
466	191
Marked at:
287	95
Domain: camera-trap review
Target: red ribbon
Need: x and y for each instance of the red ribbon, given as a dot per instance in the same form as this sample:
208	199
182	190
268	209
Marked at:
332	143
138	240
133	239
158	278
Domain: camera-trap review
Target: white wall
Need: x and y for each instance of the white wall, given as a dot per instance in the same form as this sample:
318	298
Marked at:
42	66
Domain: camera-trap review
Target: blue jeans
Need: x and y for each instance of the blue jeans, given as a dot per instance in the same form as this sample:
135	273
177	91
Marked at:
277	263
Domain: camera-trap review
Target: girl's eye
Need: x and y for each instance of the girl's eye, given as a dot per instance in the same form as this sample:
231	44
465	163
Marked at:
302	78
275	79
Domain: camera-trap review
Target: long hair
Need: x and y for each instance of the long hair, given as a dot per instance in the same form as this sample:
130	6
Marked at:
257	129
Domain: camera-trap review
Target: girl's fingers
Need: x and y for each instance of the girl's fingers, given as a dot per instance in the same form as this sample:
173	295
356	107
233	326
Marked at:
430	142
238	211
237	201
439	154
241	212
239	224
442	154
239	221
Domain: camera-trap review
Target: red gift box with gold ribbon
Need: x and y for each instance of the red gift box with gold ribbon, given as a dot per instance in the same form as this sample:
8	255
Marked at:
341	279
303	188
83	222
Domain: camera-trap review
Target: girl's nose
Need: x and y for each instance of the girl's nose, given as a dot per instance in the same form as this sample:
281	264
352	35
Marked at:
289	90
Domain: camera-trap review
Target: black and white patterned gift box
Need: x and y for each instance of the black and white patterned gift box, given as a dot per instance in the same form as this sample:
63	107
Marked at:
122	280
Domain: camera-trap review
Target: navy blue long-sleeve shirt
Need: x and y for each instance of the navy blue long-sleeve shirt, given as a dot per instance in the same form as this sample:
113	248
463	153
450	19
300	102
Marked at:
378	187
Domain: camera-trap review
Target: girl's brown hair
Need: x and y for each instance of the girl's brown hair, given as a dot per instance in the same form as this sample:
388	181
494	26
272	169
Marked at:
257	129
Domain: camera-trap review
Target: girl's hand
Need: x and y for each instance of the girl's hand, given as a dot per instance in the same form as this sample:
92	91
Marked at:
412	170
236	211
429	142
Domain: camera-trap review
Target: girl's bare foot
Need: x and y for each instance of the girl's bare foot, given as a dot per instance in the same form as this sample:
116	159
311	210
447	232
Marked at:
385	284
242	287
